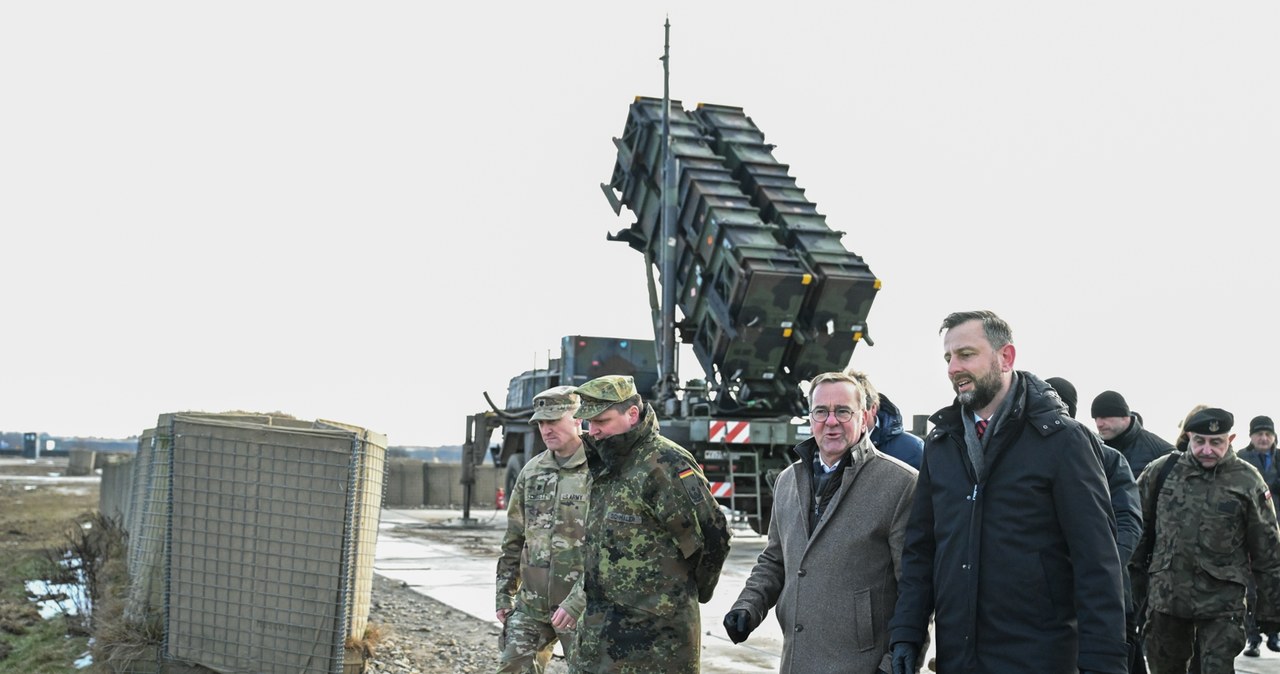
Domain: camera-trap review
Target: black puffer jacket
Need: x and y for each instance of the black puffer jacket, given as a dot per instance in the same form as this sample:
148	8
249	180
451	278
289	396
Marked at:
1021	568
1139	445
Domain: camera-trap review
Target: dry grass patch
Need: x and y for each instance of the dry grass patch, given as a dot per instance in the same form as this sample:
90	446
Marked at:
35	517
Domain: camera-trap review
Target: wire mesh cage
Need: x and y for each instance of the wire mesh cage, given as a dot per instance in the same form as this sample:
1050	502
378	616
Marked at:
251	541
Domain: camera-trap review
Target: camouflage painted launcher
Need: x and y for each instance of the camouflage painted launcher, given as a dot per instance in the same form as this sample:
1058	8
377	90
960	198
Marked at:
769	295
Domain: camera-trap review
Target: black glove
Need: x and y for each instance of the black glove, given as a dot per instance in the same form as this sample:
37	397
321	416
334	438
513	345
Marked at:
738	624
1268	627
904	657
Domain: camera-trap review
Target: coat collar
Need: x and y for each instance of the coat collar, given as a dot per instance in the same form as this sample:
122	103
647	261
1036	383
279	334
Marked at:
1130	435
575	460
1034	401
1031	404
888	422
860	454
861	450
604	456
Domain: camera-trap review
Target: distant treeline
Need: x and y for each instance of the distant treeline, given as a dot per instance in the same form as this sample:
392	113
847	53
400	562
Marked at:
441	454
11	444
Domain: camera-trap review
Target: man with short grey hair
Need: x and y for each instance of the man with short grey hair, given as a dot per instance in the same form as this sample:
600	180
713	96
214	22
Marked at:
830	569
542	550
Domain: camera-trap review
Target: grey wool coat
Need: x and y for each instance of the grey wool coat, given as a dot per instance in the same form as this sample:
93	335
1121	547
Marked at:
834	589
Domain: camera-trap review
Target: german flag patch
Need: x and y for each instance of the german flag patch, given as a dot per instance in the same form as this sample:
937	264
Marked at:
692	487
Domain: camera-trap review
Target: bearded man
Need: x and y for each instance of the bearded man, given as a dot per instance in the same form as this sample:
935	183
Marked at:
1010	543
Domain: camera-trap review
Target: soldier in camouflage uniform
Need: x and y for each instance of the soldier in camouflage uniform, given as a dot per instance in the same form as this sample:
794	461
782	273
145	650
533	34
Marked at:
1214	520
656	540
542	551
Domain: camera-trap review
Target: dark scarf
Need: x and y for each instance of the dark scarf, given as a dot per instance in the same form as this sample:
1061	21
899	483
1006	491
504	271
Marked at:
978	448
825	485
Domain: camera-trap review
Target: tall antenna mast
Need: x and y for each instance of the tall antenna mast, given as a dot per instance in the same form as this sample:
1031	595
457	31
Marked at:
667	335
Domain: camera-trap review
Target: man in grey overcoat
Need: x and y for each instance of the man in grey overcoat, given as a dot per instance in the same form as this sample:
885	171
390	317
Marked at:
832	562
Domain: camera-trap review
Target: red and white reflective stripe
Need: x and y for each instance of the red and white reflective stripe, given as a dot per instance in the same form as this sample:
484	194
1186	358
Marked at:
734	432
721	489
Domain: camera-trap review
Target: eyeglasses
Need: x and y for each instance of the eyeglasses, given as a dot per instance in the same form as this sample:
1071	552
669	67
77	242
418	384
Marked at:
843	414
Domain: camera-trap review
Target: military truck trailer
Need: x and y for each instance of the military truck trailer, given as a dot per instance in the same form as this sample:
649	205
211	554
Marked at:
754	280
582	358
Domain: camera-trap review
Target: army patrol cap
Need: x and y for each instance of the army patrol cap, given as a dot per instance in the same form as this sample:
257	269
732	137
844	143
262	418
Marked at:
1212	421
554	403
601	392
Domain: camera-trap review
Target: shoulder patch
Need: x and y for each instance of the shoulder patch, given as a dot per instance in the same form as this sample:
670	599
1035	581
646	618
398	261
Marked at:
692	485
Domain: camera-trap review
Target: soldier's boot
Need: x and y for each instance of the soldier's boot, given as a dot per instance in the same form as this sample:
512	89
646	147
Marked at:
1273	642
1251	650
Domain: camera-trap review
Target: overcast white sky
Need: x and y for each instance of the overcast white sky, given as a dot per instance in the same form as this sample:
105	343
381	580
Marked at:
374	212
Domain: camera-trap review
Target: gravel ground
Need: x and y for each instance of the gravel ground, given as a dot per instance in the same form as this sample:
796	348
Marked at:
419	635
423	636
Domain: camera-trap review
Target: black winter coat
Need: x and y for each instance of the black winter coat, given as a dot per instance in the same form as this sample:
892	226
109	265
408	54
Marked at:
1021	569
1139	446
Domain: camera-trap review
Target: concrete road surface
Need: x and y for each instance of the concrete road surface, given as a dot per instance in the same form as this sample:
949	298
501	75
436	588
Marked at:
453	562
455	565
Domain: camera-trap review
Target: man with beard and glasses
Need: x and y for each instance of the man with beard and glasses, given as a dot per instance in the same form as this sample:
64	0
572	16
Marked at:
1011	541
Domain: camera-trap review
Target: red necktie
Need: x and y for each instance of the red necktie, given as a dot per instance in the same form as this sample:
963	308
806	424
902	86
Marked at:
981	427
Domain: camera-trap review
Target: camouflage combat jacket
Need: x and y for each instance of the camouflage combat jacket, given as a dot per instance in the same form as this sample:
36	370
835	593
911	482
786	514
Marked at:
542	549
656	540
1210	527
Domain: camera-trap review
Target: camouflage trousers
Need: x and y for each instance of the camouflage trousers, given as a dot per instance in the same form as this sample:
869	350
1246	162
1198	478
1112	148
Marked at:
527	644
615	639
1170	641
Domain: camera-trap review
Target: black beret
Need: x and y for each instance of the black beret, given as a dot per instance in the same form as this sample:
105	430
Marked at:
1109	404
1212	421
1261	423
